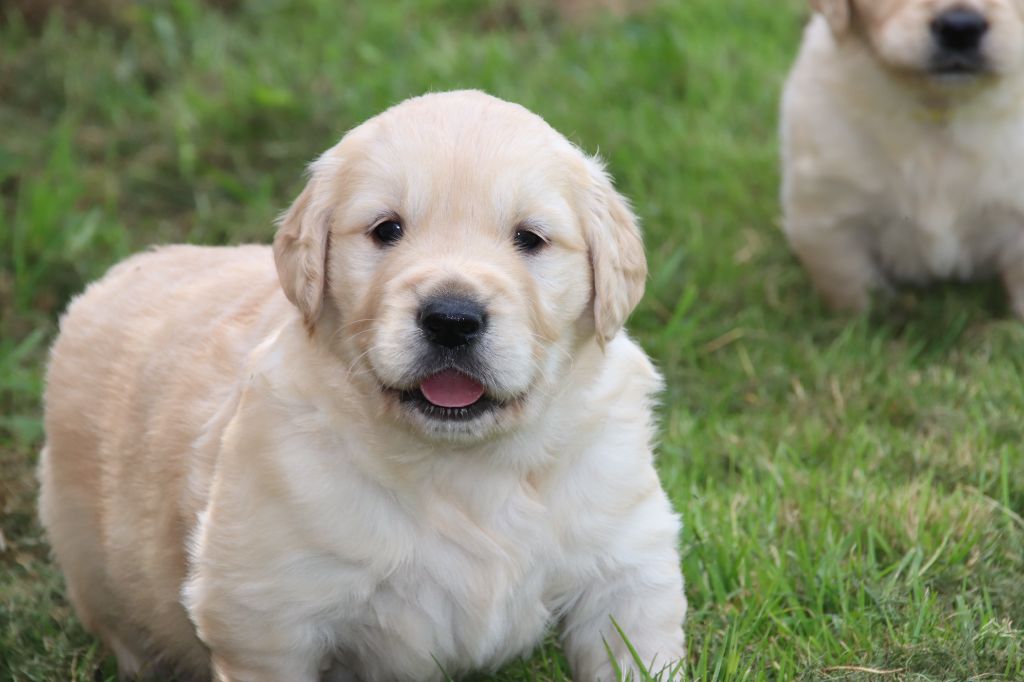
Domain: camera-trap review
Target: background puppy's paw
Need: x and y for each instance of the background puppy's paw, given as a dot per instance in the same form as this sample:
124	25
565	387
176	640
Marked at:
1013	279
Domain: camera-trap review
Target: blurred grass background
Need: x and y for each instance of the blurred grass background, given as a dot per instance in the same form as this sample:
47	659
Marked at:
852	489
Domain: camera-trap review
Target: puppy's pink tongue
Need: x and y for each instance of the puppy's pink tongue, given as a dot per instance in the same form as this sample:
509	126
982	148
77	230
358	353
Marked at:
451	389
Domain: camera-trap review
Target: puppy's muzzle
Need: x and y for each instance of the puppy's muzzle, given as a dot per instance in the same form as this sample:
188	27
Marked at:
958	34
452	321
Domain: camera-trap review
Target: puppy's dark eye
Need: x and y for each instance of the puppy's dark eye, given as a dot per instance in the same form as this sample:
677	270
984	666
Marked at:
387	232
527	241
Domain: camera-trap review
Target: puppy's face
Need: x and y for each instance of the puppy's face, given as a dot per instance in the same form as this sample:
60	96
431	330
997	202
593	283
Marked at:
945	41
455	251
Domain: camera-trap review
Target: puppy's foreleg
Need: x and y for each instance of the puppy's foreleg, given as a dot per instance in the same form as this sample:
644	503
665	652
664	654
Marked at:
839	263
255	669
255	629
641	592
1013	277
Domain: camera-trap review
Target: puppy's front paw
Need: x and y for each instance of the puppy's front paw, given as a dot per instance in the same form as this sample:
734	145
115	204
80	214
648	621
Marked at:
846	302
1017	306
1013	278
843	273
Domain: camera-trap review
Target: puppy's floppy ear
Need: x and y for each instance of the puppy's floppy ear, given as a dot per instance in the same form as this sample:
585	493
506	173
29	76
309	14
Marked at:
836	13
300	250
616	252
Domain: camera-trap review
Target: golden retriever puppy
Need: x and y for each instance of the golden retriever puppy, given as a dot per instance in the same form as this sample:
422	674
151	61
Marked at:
406	451
903	146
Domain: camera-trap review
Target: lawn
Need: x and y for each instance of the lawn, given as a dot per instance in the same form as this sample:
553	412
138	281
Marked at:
852	489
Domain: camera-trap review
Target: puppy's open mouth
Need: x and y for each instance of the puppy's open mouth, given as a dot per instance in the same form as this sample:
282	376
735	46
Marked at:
449	395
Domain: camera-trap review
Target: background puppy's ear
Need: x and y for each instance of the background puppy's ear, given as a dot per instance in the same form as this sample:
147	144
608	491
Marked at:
836	13
300	251
616	252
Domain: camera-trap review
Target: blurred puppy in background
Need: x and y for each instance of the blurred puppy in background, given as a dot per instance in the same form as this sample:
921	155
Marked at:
405	451
903	146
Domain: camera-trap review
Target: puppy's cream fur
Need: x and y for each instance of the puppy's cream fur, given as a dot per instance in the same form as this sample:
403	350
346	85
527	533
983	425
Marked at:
227	486
894	174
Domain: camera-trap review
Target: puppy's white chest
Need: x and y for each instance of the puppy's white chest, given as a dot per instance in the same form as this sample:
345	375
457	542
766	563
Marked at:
467	592
946	216
935	236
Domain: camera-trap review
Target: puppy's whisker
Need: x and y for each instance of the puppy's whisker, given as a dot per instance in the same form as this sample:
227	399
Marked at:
359	321
571	360
343	327
356	335
359	357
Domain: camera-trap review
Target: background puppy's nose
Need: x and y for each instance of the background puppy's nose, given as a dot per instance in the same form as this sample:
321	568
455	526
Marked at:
959	29
452	321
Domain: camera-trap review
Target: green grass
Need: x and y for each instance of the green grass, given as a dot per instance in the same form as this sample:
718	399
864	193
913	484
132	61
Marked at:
852	490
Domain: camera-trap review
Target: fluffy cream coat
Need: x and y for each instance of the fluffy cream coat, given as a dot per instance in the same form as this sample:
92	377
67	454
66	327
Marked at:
231	487
895	175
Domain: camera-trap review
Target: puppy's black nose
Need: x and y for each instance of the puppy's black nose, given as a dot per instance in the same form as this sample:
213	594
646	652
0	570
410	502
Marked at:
452	321
959	30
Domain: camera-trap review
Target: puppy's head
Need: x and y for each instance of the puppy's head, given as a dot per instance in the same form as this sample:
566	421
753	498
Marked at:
456	251
944	41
